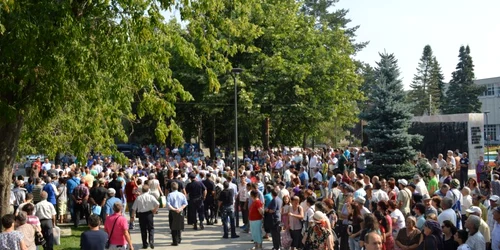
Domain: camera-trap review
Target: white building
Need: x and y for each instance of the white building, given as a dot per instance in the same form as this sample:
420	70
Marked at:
490	100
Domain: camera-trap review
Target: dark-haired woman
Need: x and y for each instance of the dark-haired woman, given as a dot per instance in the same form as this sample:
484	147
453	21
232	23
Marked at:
387	230
432	236
9	238
370	225
449	231
461	237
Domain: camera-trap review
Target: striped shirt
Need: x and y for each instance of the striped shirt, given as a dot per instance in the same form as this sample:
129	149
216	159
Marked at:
37	193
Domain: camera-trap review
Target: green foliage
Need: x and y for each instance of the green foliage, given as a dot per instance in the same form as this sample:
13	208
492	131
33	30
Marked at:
397	171
388	118
426	93
462	94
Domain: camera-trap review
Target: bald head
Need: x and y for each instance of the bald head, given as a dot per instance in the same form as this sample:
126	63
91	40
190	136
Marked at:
373	241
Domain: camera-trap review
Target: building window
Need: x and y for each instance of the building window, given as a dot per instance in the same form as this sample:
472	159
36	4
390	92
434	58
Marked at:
490	132
490	90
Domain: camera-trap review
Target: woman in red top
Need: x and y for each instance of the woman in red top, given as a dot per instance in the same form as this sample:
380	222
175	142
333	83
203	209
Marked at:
255	215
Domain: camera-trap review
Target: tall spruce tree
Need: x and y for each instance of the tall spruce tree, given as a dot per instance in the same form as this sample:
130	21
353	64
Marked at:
436	85
389	118
419	93
462	94
425	95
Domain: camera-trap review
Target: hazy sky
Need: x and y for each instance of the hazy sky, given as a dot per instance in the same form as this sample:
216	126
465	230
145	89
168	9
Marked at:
404	27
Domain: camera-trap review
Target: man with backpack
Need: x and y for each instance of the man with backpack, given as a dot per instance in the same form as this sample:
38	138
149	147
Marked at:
456	196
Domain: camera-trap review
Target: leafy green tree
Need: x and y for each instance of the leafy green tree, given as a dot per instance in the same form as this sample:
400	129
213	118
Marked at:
425	93
389	118
462	94
71	72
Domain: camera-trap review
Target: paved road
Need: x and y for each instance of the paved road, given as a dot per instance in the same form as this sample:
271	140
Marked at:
209	238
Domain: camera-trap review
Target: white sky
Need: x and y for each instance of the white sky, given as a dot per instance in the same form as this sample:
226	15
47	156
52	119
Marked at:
404	27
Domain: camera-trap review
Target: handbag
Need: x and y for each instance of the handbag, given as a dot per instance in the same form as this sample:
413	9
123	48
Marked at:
39	240
163	201
107	242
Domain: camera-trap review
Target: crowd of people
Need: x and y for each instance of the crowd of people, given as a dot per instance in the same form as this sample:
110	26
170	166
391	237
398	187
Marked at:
302	199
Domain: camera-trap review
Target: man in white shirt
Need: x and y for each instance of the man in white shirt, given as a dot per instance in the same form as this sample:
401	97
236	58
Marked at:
491	215
483	226
287	176
378	194
420	185
448	213
495	234
46	165
145	206
476	240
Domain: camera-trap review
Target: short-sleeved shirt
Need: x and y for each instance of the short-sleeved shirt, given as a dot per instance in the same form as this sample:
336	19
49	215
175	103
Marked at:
45	210
226	197
210	187
117	237
180	185
117	185
11	240
253	213
98	194
195	189
495	237
408	240
94	239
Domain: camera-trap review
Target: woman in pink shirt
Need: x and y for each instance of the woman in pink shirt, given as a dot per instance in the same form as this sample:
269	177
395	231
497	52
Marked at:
116	226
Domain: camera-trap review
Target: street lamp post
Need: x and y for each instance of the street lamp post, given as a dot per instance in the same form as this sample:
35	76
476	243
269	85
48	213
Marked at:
486	130
234	73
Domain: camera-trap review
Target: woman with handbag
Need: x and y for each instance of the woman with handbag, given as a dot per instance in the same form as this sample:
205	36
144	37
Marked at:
296	215
29	232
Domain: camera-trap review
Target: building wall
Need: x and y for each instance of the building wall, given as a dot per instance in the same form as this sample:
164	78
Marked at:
490	100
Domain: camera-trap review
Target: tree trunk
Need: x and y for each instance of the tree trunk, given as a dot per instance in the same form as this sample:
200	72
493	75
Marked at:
9	132
304	141
277	136
265	133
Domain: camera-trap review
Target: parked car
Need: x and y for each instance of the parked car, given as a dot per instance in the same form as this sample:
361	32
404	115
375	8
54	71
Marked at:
131	151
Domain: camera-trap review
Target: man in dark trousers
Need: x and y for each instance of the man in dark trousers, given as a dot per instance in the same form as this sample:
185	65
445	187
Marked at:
176	202
197	193
209	201
145	206
273	212
226	202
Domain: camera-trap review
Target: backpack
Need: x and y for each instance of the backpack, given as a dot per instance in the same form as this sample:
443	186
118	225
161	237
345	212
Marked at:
218	190
457	208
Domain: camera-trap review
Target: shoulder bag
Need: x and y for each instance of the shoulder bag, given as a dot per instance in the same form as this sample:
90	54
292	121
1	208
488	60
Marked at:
109	237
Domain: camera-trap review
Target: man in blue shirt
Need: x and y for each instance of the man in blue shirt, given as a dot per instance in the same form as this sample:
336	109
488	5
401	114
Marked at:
273	213
304	177
71	184
108	208
176	202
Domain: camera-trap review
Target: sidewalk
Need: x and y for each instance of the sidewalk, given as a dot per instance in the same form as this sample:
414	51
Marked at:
209	238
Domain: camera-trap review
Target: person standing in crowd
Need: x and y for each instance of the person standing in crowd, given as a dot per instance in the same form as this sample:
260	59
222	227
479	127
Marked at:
98	198
449	231
408	238
476	240
197	193
461	238
116	226
319	235
80	197
176	202
209	201
495	234
27	230
46	212
404	197
154	186
145	206
93	238
71	184
255	215
464	169
273	211
433	236
373	241
226	203
241	199
131	191
9	238
110	202
117	185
